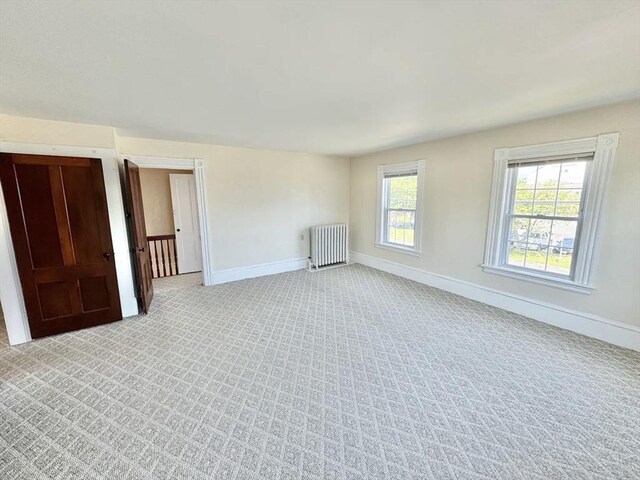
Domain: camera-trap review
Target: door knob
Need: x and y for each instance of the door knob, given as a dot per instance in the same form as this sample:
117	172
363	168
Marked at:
106	255
141	249
177	229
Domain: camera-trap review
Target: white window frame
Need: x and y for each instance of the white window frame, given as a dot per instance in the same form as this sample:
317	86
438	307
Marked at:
603	149
416	167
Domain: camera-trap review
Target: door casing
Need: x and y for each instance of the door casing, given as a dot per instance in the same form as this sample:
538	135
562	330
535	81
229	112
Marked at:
195	166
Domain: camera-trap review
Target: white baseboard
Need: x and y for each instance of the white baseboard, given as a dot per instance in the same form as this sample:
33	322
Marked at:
610	331
253	271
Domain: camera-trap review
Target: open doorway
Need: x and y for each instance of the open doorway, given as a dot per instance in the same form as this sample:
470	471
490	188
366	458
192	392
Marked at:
171	221
166	208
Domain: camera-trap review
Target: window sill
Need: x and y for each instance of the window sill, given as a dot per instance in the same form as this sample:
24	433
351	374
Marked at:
396	248
539	279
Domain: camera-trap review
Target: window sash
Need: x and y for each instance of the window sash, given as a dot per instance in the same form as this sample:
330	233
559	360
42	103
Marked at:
387	189
387	228
510	188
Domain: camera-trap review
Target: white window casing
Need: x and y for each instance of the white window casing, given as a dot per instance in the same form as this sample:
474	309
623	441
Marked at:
400	169
602	150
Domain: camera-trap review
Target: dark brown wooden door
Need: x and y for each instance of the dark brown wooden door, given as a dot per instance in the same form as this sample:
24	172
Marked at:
144	275
59	225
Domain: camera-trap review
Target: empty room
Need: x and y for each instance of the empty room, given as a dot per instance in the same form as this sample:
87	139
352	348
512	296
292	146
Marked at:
359	239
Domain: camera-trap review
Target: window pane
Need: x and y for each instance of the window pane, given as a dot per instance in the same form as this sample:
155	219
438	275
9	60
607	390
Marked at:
572	175
518	230
544	202
525	195
545	195
400	227
567	209
539	234
526	178
548	176
568	202
538	239
562	247
516	254
521	208
402	192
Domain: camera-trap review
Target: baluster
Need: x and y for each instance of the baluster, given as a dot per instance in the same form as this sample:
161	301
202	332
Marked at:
162	258
175	254
155	250
170	255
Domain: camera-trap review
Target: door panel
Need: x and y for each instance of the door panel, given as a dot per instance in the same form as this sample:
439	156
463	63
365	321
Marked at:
144	275
55	300
39	216
59	225
94	292
82	214
185	219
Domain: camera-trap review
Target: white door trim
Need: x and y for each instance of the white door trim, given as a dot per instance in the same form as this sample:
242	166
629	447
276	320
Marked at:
13	308
10	289
195	165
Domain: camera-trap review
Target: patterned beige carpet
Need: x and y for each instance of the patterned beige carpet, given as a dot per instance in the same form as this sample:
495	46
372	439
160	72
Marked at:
343	374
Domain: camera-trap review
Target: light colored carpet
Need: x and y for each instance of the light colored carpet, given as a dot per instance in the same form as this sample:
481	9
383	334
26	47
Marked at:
348	373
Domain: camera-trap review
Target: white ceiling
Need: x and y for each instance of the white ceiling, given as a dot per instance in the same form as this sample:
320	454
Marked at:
328	77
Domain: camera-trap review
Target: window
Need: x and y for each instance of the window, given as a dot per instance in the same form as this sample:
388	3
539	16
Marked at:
400	206
545	210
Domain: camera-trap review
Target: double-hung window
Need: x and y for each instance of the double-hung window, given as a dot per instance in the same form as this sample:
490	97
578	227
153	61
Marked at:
400	206
545	210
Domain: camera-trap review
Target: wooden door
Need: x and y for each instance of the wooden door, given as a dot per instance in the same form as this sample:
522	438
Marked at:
144	274
185	219
59	224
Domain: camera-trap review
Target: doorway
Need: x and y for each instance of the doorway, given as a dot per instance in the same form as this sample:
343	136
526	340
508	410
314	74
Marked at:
171	221
166	208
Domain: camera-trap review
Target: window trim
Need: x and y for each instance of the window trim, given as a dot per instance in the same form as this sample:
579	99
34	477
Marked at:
603	148
416	167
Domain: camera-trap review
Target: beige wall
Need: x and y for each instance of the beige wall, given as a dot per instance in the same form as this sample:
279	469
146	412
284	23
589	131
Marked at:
457	194
156	199
49	132
260	202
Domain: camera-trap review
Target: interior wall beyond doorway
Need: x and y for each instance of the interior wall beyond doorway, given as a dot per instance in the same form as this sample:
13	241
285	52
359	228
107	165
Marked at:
156	200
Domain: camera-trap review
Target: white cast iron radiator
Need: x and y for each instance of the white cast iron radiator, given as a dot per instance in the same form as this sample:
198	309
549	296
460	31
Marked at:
328	246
